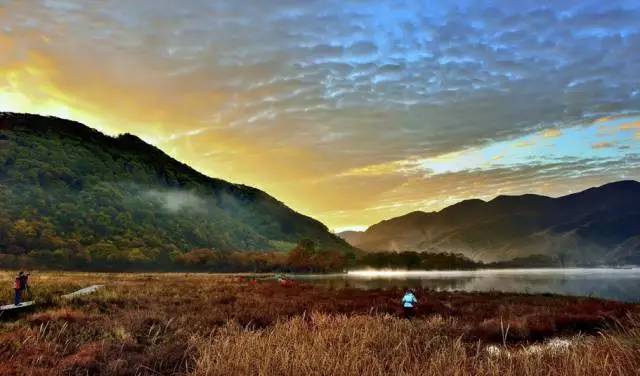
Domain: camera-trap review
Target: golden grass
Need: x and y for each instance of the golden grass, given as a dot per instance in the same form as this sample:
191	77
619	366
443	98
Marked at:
384	345
150	324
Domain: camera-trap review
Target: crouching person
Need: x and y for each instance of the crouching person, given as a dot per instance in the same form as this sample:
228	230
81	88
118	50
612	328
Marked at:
409	302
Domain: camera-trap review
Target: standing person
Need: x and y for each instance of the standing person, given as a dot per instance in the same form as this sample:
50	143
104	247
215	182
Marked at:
18	288
24	285
408	304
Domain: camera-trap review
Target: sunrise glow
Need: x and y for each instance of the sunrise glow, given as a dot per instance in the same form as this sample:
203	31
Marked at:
351	113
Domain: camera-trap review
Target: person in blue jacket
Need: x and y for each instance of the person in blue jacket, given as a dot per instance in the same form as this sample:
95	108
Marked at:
409	302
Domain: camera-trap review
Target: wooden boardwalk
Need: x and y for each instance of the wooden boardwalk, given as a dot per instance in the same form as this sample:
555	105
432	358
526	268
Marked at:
84	291
10	307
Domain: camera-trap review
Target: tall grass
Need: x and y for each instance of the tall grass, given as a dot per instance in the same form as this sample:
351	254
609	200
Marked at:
200	324
325	344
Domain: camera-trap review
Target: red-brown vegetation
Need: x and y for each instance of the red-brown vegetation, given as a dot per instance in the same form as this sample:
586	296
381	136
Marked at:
179	324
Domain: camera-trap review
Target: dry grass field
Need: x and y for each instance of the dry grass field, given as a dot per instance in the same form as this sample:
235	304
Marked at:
158	324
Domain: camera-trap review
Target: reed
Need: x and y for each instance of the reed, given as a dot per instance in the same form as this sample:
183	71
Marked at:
214	324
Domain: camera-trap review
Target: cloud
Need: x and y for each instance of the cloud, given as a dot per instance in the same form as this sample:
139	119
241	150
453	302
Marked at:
602	145
362	48
551	133
631	125
524	144
382	168
321	99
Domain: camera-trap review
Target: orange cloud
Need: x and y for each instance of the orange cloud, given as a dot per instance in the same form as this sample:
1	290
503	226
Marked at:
632	125
386	168
551	133
524	144
602	145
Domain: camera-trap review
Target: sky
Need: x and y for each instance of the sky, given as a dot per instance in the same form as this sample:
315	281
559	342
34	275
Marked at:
350	111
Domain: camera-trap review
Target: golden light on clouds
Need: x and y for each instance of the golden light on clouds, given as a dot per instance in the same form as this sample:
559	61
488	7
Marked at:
28	89
551	133
602	145
381	169
603	119
290	172
337	191
631	125
333	115
524	144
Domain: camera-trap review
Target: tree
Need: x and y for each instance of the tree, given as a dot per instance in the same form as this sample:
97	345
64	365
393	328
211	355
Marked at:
137	256
23	233
196	257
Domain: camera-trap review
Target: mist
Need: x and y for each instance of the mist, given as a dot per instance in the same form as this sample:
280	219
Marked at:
176	201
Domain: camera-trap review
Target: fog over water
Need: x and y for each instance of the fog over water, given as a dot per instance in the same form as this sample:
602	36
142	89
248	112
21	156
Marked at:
609	283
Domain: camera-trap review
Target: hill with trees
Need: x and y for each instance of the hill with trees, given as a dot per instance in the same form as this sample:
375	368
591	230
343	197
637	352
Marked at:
71	195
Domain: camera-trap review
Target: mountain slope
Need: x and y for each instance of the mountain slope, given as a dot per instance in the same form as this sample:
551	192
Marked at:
350	236
598	225
69	189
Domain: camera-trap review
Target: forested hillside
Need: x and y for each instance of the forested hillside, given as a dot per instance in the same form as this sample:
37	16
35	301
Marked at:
69	194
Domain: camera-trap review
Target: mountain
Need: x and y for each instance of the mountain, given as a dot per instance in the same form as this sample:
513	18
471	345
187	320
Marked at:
597	226
68	190
351	237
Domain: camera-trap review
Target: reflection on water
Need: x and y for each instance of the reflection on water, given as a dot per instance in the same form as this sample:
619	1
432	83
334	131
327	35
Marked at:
618	284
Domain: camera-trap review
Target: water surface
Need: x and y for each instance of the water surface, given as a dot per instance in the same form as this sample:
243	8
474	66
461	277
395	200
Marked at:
609	283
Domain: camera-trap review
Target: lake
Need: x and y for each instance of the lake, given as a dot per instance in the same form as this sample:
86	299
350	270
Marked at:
609	283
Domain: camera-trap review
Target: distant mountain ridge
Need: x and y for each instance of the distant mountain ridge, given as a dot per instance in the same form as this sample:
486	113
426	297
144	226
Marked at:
67	188
600	225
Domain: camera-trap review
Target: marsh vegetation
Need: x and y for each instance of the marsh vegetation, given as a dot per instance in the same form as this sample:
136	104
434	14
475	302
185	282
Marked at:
206	324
